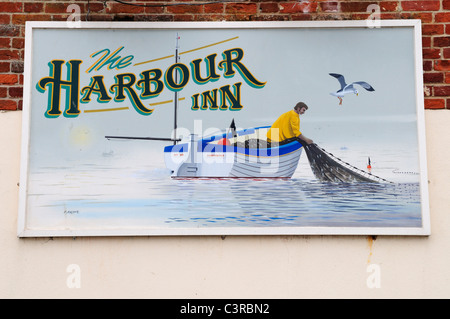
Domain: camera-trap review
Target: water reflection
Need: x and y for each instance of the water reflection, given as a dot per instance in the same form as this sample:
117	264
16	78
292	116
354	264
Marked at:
299	203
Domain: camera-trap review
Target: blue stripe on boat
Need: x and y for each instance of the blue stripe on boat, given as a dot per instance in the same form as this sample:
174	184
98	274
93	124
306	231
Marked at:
179	148
205	146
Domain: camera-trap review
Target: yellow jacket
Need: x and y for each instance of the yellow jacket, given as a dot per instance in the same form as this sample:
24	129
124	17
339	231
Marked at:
286	126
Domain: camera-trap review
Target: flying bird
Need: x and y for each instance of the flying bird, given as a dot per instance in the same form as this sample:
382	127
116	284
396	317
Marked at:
348	88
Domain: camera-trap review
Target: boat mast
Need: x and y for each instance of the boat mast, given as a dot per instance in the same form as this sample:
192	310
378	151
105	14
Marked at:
174	139
176	93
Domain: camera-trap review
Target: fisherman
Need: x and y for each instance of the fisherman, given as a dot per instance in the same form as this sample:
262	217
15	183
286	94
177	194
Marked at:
287	126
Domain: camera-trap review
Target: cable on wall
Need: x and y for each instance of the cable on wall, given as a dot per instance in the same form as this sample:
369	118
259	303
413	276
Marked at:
162	5
176	4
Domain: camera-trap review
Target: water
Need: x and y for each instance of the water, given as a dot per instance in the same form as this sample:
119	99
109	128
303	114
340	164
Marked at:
299	202
125	192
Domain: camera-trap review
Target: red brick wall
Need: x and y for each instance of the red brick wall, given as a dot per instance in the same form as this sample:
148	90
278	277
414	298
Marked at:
435	16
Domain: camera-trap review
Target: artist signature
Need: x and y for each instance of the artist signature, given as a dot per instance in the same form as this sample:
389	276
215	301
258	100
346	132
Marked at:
71	212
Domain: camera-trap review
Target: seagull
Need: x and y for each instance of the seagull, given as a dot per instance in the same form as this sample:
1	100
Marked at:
348	88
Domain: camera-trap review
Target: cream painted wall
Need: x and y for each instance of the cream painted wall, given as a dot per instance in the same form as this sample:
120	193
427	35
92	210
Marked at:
234	267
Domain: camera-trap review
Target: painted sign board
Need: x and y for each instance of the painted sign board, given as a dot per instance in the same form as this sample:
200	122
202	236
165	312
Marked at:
201	129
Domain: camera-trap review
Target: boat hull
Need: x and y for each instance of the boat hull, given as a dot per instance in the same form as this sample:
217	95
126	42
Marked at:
206	158
266	167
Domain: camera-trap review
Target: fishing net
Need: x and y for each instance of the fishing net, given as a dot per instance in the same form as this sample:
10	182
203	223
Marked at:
328	168
325	166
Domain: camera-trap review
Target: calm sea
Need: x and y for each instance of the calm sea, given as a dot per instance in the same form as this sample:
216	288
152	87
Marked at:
137	192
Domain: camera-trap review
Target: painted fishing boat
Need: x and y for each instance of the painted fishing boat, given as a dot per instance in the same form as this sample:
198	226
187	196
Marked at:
236	154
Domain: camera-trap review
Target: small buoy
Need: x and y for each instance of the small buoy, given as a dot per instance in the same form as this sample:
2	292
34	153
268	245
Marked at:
224	141
369	167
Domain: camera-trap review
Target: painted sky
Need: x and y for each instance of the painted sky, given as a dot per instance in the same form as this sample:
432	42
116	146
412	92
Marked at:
294	63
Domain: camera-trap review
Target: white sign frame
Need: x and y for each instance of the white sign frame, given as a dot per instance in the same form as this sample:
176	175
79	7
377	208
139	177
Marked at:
24	229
